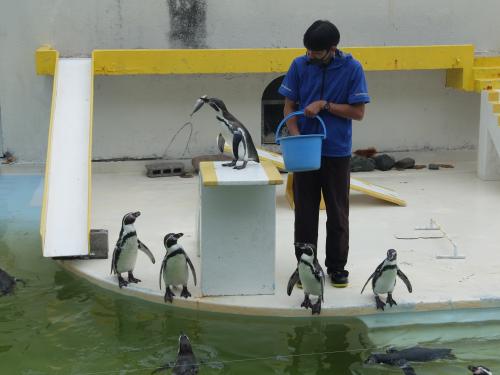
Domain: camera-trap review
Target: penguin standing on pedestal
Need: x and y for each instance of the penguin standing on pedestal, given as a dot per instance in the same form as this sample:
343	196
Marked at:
174	268
311	275
235	132
384	279
125	252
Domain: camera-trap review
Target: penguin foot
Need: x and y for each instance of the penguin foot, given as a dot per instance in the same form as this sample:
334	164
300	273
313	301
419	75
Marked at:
380	304
242	166
185	292
390	300
169	295
132	279
306	303
316	308
232	164
121	281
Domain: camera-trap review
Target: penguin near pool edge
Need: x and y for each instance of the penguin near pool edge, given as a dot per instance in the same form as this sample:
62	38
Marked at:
384	279
126	248
480	370
174	268
237	134
311	276
8	283
185	363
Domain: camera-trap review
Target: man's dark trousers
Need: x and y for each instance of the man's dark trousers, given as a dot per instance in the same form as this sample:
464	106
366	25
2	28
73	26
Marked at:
333	178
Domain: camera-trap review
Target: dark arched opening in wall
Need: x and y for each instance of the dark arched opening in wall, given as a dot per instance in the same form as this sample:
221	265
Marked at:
271	110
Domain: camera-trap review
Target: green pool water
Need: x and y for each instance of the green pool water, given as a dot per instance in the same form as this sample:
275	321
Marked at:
61	324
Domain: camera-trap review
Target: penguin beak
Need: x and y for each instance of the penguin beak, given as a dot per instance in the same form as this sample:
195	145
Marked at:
199	103
179	235
137	214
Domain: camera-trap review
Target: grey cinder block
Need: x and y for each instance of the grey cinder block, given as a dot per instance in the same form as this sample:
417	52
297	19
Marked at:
165	169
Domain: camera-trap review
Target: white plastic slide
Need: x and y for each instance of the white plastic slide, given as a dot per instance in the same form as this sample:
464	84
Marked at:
65	221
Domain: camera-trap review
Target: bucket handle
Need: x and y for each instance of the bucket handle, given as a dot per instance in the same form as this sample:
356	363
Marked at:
297	113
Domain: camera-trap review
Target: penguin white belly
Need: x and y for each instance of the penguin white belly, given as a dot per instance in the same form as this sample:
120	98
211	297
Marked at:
128	256
310	284
242	150
176	272
386	282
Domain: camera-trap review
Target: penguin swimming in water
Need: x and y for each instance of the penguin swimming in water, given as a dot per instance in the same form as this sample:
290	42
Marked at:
125	252
384	279
402	358
8	283
235	133
185	363
480	370
311	275
174	268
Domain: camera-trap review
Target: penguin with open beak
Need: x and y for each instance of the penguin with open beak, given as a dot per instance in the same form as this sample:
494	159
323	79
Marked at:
174	268
384	279
125	252
234	132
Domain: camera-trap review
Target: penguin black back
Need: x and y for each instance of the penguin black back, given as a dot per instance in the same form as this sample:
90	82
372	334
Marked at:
7	283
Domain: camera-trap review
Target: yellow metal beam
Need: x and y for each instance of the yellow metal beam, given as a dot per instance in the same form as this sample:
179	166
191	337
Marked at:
273	60
487	61
265	60
45	60
494	96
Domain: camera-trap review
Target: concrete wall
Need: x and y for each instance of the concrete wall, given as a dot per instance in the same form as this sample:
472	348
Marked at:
137	116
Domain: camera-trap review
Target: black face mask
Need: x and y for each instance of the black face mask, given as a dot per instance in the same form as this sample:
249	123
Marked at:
319	61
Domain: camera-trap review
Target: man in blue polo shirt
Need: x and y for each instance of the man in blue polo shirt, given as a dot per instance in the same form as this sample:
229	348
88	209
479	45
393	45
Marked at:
331	84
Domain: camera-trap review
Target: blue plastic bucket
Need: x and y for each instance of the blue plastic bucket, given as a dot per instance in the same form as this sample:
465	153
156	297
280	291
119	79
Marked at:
301	152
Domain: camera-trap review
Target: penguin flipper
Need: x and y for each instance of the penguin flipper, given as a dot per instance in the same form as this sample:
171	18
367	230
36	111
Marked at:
114	259
405	279
294	279
367	281
191	266
406	367
146	251
320	275
163	269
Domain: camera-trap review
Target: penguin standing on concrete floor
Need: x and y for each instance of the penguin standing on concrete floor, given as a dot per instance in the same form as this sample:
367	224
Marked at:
384	279
311	275
186	363
125	252
234	131
480	370
174	268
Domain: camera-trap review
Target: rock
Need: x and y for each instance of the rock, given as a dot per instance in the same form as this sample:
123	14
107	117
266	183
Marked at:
433	166
384	162
405	163
362	164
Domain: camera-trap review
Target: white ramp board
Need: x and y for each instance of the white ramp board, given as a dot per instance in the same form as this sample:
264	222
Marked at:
65	213
362	186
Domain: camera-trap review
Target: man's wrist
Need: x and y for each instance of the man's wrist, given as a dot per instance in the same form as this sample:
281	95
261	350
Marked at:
327	106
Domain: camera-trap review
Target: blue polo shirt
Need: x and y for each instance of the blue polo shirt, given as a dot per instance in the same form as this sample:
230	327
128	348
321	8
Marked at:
342	81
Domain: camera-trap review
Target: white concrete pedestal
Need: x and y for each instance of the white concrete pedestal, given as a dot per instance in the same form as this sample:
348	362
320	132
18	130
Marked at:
489	142
237	229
